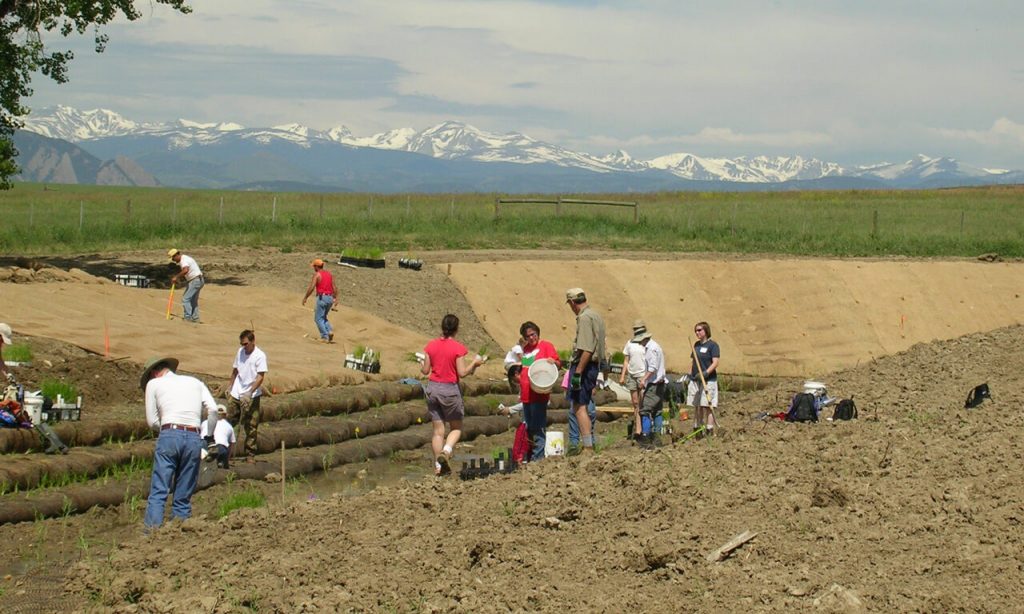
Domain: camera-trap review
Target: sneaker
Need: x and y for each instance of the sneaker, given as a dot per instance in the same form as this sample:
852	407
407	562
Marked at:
446	467
330	338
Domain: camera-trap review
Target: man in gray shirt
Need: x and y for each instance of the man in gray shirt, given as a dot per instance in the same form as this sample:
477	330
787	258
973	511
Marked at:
587	353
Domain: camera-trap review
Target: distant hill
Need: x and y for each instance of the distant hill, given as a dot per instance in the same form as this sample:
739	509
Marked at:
47	160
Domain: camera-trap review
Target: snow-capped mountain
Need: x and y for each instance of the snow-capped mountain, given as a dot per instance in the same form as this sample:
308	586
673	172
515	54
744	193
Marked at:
452	140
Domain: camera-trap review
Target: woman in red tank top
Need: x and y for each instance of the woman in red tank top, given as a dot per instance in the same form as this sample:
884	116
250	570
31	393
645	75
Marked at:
326	295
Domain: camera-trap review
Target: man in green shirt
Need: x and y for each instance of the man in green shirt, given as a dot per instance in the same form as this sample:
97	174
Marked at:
587	353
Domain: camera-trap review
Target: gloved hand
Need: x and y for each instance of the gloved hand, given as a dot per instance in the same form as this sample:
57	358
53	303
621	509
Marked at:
576	382
245	397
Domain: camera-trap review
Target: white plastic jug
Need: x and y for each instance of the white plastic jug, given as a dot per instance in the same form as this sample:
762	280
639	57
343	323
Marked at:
554	443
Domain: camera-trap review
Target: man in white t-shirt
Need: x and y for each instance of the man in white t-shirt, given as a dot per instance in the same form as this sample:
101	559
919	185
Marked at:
633	371
247	373
193	276
223	437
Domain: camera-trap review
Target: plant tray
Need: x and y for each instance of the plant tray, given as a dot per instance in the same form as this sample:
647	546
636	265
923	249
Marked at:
66	413
615	368
360	365
132	280
369	263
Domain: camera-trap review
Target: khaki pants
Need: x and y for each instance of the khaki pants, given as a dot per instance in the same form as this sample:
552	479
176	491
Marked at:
246	415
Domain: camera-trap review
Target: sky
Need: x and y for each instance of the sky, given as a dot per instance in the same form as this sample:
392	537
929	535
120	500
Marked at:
854	82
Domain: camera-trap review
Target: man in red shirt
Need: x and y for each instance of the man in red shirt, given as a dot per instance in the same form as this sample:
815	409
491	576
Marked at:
326	295
535	404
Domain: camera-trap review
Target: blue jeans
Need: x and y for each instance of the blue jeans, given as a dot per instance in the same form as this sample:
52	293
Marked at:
535	415
574	425
176	461
323	306
190	299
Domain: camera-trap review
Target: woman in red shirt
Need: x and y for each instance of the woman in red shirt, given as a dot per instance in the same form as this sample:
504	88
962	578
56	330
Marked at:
535	404
445	365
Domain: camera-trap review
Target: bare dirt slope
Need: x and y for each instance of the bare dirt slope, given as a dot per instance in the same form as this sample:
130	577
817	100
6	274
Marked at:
916	506
784	317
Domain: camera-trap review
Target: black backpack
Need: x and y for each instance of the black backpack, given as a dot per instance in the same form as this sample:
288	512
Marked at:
845	410
802	408
977	395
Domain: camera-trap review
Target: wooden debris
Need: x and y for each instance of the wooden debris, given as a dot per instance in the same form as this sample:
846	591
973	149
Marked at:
731	545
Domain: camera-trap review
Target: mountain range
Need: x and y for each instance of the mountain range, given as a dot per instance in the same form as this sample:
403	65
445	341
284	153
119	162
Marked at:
450	157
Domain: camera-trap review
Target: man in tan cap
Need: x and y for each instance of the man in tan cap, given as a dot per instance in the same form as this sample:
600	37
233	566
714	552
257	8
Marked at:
5	339
174	407
633	371
193	276
587	354
326	295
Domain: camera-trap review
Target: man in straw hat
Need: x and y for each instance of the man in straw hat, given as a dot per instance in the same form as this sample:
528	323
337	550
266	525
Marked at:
326	295
174	406
5	339
653	386
587	352
193	276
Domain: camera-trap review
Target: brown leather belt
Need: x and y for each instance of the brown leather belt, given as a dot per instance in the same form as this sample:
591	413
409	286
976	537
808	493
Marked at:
180	427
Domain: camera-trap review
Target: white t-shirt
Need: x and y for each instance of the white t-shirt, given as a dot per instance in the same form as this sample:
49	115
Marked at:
249	367
193	267
655	361
177	399
223	434
635	364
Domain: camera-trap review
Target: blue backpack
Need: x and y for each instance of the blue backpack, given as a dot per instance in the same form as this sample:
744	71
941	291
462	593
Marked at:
802	408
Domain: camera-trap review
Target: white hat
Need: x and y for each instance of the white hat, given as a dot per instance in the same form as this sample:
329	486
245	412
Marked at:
5	332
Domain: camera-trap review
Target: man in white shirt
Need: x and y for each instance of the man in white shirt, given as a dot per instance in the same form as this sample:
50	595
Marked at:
174	406
633	371
193	276
223	438
653	385
247	373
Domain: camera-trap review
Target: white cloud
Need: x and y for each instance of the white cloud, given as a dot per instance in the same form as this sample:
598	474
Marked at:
1003	132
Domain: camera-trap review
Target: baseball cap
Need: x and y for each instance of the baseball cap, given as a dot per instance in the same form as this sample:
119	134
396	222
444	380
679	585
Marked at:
171	253
221	409
5	332
574	294
317	262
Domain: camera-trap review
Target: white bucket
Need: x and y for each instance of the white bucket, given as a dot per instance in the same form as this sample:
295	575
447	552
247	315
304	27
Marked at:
34	408
543	374
554	443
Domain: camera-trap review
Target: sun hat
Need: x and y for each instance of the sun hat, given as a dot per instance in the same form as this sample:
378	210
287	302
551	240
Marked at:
317	262
152	363
574	294
171	253
5	332
640	335
639	325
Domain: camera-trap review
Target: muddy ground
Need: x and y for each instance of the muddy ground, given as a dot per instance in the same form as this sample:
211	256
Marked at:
917	505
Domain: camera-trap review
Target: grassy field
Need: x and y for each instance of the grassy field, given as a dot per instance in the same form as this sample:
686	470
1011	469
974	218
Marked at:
39	219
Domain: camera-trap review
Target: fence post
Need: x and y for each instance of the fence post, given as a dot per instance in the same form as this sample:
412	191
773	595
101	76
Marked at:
128	213
221	218
497	207
451	210
273	212
636	212
732	222
962	213
31	214
407	199
558	207
174	213
874	225
81	214
321	206
369	207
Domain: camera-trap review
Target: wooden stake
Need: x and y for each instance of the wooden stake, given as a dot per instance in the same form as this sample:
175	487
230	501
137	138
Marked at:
282	472
727	548
170	300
